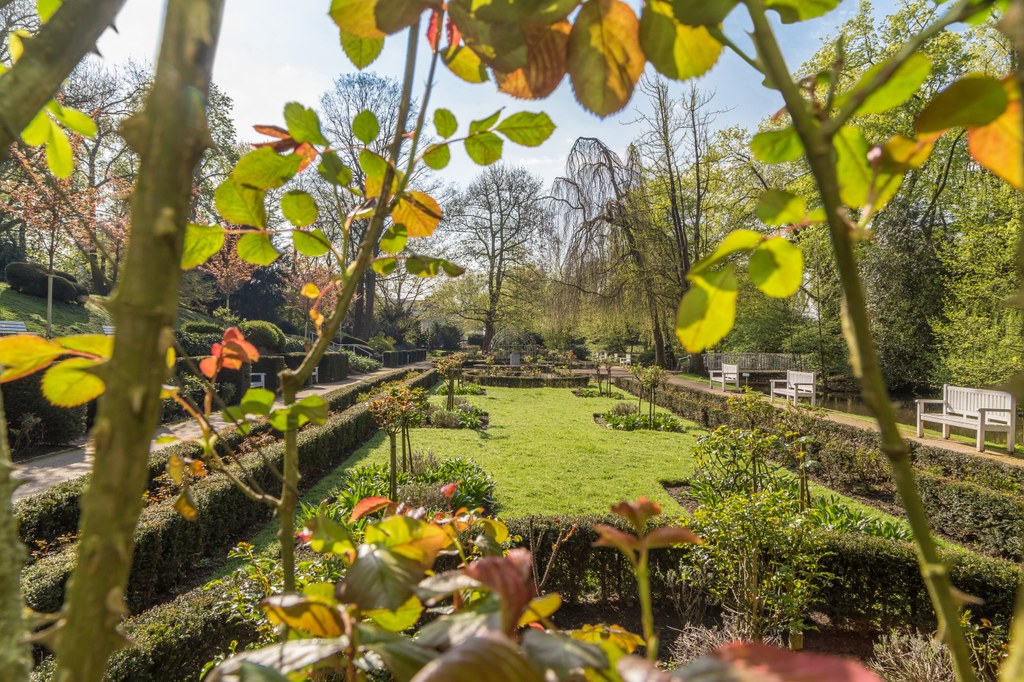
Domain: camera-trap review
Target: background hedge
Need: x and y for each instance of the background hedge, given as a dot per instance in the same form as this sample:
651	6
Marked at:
397	358
56	426
579	381
169	549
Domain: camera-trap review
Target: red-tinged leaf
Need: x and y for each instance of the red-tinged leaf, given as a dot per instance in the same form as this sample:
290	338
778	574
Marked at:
547	48
609	536
208	366
997	146
280	146
273	131
637	513
605	59
452	33
368	505
449	490
668	536
771	663
492	657
308	154
23	354
509	578
434	30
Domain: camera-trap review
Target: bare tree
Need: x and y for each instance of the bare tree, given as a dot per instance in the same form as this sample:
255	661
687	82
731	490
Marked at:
496	221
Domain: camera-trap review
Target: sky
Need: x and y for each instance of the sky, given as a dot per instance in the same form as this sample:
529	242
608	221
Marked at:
272	52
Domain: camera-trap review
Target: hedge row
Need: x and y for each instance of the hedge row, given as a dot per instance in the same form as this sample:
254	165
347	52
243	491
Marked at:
54	512
397	358
169	549
528	382
32	420
875	579
970	499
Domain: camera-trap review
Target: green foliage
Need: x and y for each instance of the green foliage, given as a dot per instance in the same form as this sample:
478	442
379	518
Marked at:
43	423
634	422
263	334
202	327
361	364
33	279
467	388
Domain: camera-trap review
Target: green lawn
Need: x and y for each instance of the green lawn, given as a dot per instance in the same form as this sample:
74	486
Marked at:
547	456
68	318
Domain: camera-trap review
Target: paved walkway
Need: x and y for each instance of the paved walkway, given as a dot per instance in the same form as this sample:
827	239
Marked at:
48	470
868	424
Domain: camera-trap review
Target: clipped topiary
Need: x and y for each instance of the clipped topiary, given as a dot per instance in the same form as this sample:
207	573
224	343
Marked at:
202	327
262	334
31	279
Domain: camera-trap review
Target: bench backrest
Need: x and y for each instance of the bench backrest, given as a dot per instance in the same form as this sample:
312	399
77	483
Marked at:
730	370
806	381
108	329
12	327
967	401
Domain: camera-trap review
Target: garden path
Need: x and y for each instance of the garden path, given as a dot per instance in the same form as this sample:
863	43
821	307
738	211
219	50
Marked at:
865	423
48	470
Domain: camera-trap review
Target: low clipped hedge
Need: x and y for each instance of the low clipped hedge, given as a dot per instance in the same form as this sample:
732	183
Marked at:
973	500
529	382
397	358
333	366
24	402
169	549
271	365
55	511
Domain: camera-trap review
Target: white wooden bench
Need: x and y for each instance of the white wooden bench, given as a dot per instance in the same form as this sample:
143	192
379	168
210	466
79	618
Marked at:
11	327
977	409
796	385
108	329
258	380
729	374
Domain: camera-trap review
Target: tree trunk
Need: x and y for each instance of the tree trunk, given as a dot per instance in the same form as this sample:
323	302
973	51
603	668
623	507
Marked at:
169	135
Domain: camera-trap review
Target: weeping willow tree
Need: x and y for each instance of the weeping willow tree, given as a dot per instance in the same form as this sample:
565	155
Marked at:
605	215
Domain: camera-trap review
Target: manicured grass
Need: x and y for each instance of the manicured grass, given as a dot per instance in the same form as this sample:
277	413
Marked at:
68	318
547	456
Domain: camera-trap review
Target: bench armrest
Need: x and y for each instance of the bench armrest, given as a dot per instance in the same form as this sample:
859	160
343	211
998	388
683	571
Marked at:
777	381
929	402
798	384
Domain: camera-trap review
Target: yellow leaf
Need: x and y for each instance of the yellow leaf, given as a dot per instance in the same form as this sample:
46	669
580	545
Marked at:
540	608
310	290
71	382
306	615
396	620
24	354
708	310
185	506
997	146
100	345
605	59
175	468
419	212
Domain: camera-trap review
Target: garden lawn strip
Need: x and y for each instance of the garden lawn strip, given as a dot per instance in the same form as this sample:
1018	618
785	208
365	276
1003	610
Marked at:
169	549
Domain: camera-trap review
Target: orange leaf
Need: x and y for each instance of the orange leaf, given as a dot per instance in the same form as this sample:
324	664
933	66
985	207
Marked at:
609	536
997	146
667	536
208	366
419	212
273	131
368	505
546	51
605	59
308	154
773	663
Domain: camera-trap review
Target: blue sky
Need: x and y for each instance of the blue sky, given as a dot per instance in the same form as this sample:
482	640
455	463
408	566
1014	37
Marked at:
272	52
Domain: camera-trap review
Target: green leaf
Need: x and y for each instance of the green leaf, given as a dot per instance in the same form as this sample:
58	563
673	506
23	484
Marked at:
484	148
365	126
969	102
72	382
437	156
702	12
526	128
257	401
329	536
303	124
605	60
445	123
793	11
464	63
47	8
397	620
777	146
708	310
484	123
37	132
379	578
734	242
675	49
384	266
73	119
333	170
777	267
299	208
264	168
313	243
777	207
271	663
562	654
373	165
240	205
201	242
59	156
402	656
394	239
311	409
424	266
852	166
257	248
361	51
901	86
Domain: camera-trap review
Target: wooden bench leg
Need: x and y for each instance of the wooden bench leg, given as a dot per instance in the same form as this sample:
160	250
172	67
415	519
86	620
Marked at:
945	431
1011	439
981	438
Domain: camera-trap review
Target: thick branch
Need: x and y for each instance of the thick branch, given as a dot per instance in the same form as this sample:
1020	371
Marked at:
170	134
15	654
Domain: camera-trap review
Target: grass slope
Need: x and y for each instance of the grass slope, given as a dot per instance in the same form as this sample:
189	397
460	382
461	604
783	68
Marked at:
68	318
